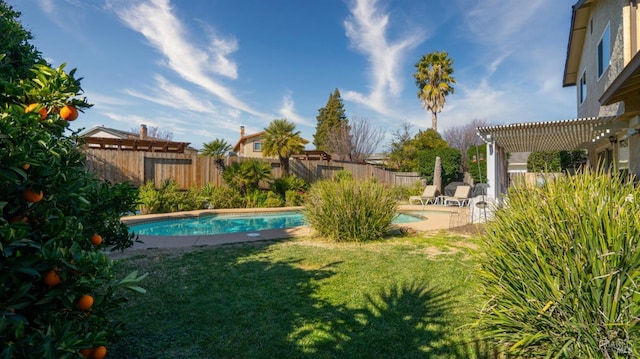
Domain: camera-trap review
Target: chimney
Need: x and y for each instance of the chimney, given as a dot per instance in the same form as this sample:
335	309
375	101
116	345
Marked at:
241	131
143	132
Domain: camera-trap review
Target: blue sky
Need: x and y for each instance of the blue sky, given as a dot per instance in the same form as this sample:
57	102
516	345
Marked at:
203	68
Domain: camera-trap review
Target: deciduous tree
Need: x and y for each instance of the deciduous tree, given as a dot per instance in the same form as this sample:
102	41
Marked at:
464	137
156	132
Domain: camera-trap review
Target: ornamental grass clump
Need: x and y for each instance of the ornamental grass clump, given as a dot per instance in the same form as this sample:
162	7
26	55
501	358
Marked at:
562	269
350	211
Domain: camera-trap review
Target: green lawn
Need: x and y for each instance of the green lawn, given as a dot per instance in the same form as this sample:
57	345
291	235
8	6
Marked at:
405	297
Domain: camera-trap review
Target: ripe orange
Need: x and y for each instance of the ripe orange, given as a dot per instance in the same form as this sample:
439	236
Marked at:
99	352
42	111
68	113
26	166
30	196
52	278
96	239
86	352
16	219
85	302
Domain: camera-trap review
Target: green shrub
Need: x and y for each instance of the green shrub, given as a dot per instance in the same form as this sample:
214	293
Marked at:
556	161
281	185
343	175
562	269
148	198
450	158
294	198
221	197
272	200
347	210
168	198
402	193
255	199
477	169
191	200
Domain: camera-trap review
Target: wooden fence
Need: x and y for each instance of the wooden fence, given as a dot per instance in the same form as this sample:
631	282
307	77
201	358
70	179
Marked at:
189	169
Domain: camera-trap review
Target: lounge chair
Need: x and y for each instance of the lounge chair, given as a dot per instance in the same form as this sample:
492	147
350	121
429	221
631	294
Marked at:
429	195
460	197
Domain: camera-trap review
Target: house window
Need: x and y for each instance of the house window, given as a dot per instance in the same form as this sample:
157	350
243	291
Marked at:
604	51
583	87
257	146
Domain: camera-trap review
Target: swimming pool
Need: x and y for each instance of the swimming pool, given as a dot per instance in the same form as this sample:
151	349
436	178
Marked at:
233	223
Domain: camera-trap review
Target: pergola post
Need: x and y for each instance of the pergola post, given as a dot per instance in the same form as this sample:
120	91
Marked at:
492	171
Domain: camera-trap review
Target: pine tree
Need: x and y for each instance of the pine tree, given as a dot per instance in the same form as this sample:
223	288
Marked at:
330	117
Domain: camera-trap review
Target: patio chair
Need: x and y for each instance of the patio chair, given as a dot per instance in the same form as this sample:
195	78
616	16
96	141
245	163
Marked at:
429	195
460	197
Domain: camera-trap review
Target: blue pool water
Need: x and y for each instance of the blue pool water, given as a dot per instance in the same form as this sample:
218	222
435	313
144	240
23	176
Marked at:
231	223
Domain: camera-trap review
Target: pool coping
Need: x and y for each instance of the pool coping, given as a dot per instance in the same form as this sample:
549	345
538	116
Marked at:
433	221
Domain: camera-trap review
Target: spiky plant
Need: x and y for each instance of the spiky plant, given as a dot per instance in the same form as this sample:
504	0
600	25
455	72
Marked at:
562	269
350	211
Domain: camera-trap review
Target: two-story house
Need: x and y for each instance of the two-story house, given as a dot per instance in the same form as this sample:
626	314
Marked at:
603	44
249	145
603	63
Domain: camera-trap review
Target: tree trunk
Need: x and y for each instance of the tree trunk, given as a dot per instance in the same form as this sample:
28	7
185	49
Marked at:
434	121
284	165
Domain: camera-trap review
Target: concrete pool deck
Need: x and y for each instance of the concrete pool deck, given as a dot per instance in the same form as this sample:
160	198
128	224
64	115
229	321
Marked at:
438	217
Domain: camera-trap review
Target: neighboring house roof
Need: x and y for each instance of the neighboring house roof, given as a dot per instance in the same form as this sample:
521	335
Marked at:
243	140
577	34
111	131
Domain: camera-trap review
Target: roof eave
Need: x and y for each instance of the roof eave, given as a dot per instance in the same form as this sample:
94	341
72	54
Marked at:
577	32
626	84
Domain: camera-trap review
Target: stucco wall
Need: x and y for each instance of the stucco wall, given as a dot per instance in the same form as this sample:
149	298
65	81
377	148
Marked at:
248	148
602	13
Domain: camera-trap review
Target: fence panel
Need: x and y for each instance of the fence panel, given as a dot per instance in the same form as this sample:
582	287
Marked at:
189	169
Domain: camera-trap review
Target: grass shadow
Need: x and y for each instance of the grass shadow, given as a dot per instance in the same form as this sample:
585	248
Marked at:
406	321
256	300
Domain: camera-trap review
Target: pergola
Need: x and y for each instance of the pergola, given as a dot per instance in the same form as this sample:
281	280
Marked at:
131	144
581	133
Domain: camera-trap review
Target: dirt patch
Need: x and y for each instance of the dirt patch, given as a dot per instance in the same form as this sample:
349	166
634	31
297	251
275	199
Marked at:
470	230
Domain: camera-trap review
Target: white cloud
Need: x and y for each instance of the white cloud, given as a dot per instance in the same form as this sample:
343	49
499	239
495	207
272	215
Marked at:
288	111
367	30
47	6
168	94
502	23
521	58
155	20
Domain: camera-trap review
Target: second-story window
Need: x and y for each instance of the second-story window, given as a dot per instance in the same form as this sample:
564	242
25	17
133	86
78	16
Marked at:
257	146
583	87
604	51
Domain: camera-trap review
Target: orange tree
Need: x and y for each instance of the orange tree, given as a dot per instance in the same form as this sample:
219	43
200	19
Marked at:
56	284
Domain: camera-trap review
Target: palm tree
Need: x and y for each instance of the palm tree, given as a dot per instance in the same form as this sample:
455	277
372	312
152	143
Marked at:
217	149
280	140
434	78
246	175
